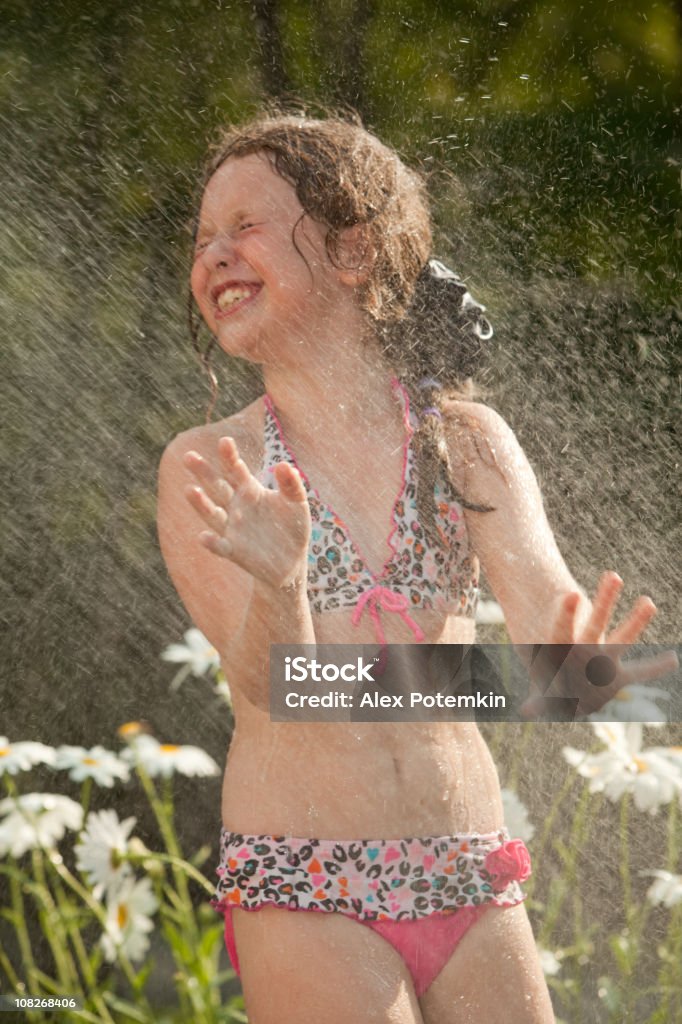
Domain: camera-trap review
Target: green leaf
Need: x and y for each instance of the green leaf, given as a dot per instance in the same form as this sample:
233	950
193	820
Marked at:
624	951
142	976
123	1006
609	993
211	937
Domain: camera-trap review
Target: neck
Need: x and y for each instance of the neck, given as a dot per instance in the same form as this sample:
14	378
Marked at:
346	384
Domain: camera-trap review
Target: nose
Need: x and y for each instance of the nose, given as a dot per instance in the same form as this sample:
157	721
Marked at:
219	252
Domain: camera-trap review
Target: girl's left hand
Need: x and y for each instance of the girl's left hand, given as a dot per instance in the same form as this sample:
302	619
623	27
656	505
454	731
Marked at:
580	671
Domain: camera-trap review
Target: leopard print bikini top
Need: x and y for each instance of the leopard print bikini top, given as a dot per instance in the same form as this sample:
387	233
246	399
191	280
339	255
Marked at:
413	576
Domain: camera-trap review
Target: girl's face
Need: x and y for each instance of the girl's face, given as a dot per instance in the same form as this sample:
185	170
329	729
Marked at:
253	288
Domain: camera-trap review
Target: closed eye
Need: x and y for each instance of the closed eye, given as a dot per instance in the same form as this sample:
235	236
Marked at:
242	226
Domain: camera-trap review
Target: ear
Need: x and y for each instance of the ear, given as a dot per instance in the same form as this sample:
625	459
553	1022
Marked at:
356	255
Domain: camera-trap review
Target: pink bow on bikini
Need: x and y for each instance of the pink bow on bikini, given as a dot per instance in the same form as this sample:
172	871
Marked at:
386	599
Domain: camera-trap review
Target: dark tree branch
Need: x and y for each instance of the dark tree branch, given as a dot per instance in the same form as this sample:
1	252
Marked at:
351	84
275	78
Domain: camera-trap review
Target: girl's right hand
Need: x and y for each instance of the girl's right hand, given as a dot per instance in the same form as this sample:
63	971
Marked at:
265	532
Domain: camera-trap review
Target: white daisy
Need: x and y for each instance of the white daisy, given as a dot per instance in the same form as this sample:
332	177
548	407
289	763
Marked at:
651	776
196	654
636	703
127	919
549	962
667	889
36	820
101	849
222	689
97	763
674	753
489	613
166	758
19	757
516	817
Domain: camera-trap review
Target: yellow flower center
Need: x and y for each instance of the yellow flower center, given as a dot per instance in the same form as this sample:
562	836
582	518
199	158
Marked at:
169	748
130	729
640	765
622	695
90	760
4	751
123	915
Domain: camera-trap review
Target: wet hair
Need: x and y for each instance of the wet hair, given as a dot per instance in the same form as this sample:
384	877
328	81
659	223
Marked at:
429	329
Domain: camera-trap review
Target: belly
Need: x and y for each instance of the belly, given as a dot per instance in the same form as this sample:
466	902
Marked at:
361	780
352	780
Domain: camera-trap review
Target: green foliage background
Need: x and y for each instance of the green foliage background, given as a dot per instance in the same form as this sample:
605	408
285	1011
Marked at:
551	134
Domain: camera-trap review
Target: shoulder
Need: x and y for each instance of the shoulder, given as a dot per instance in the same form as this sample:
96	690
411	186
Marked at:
462	417
481	444
245	427
208	586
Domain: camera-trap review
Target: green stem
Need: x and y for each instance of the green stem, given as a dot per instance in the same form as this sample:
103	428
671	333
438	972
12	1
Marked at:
101	916
86	793
518	762
80	950
632	931
163	811
667	982
673	838
625	875
19	922
550	818
178	862
639	924
676	968
9	971
10	786
53	929
579	834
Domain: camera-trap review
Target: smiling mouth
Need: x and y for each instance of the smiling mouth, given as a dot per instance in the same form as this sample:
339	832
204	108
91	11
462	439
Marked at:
233	296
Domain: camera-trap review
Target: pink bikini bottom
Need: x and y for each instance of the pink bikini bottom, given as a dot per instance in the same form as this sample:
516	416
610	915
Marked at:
425	945
420	894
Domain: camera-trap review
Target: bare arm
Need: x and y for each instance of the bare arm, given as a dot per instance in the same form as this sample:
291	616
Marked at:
514	543
541	601
242	577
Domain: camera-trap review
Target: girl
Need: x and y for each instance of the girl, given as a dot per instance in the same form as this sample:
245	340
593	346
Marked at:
312	260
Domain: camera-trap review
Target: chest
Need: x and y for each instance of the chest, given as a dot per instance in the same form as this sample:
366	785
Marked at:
356	491
367	541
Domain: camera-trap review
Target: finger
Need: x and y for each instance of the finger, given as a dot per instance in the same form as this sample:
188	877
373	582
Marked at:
218	489
218	545
289	482
236	471
646	670
638	671
608	592
564	627
634	625
212	514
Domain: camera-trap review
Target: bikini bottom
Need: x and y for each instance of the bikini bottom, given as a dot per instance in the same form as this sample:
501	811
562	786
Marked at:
421	895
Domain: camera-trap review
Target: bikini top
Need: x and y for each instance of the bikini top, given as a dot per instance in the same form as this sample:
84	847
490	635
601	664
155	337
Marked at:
414	575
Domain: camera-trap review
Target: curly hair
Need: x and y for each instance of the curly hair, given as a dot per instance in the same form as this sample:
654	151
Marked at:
430	330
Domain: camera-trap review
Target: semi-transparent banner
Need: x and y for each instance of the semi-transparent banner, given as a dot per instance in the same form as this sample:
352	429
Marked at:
477	682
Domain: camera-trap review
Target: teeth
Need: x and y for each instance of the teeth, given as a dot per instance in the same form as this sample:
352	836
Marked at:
232	295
